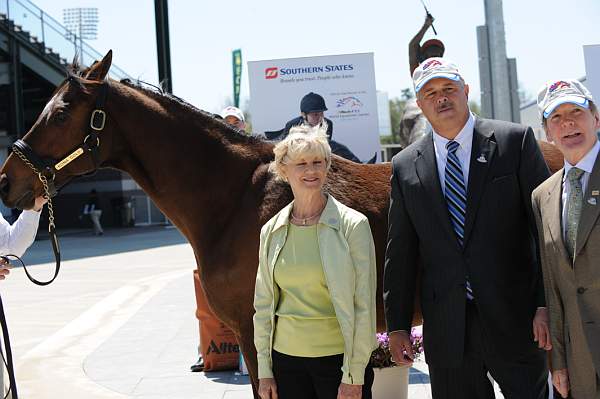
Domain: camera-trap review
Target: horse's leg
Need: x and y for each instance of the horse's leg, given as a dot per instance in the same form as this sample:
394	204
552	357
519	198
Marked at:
246	342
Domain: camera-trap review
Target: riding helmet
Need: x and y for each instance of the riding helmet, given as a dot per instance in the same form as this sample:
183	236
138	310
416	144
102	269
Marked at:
312	102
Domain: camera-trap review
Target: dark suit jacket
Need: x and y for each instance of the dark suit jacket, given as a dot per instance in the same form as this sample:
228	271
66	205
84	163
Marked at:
500	246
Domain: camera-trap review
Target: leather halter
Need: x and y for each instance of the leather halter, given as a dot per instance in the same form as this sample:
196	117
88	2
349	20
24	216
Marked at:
49	167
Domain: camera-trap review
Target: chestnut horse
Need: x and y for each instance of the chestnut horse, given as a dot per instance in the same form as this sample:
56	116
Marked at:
210	180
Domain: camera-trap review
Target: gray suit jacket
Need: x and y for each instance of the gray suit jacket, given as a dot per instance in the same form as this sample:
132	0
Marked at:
499	252
572	289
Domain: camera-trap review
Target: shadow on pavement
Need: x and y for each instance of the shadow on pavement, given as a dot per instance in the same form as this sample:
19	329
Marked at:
82	244
417	377
226	377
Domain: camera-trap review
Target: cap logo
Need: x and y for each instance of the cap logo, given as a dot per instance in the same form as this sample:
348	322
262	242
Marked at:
558	85
430	64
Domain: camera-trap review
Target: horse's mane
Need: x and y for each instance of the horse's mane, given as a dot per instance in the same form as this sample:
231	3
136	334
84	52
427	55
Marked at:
234	135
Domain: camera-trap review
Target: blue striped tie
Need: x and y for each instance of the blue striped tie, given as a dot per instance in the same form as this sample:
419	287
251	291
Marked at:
456	197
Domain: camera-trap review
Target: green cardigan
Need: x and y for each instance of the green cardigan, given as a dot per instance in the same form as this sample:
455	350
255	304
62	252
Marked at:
348	254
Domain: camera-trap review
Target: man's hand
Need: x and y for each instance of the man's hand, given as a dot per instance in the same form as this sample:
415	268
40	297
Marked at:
4	269
560	380
347	391
400	346
541	333
267	388
39	203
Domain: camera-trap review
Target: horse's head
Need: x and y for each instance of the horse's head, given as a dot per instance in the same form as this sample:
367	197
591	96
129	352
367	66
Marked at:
63	141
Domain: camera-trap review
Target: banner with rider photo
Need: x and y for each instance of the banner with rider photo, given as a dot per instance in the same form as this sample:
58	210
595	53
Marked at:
346	82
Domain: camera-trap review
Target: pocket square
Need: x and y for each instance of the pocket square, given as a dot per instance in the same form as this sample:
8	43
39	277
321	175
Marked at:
482	159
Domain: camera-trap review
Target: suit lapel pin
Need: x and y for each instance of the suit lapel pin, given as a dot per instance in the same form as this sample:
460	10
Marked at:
482	159
595	193
591	201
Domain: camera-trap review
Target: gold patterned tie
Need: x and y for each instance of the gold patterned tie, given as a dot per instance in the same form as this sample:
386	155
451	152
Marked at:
574	204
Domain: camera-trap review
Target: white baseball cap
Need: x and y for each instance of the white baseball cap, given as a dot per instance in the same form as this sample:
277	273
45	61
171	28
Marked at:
232	111
559	92
432	68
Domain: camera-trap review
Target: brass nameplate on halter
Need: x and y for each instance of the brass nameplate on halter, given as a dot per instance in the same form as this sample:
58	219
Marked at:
70	158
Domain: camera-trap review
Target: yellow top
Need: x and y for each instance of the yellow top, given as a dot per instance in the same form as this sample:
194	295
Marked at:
348	257
306	323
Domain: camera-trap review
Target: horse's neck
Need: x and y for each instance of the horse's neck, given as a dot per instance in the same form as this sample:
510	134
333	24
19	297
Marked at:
195	176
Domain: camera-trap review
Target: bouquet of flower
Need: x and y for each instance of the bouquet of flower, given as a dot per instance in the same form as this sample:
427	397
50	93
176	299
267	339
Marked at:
381	357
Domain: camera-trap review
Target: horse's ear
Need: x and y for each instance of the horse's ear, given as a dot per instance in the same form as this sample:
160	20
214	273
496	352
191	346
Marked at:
99	69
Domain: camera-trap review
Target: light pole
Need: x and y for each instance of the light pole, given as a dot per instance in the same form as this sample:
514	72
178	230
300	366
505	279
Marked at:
163	46
81	23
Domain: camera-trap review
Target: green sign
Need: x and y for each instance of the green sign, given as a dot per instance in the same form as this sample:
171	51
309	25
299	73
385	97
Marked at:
237	76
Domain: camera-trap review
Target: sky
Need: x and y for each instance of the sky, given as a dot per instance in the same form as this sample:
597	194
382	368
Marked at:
545	36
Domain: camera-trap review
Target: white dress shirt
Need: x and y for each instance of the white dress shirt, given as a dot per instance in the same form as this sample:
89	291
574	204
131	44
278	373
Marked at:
465	141
586	164
16	238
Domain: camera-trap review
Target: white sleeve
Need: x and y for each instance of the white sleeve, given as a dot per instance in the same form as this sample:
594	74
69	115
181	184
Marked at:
15	239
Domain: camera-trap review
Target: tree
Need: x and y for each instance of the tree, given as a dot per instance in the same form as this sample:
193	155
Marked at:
396	112
407	93
524	95
475	107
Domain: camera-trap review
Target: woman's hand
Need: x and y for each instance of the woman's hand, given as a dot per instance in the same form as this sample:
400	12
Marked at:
267	388
347	391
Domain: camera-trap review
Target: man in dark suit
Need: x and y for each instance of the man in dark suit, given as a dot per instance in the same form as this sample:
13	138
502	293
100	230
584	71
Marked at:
461	216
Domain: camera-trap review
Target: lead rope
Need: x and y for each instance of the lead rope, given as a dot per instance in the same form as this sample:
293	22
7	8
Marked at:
8	361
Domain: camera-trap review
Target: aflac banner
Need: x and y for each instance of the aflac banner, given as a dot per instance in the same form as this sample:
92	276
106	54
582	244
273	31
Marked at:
346	82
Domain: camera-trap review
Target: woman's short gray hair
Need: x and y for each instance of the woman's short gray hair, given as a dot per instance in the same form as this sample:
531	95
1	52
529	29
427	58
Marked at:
302	141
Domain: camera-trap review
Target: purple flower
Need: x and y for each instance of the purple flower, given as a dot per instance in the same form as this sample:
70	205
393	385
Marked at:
383	339
382	357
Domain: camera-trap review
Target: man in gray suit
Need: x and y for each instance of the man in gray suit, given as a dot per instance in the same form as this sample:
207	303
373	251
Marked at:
460	214
567	211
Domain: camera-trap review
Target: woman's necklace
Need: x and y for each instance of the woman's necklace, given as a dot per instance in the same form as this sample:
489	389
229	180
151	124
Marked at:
303	221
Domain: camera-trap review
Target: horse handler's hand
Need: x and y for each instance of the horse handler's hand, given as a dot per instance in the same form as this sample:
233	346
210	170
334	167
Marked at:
347	391
267	388
541	333
401	348
39	203
4	268
560	380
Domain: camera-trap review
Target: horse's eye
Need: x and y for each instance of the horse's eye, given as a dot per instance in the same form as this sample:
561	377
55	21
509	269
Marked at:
60	117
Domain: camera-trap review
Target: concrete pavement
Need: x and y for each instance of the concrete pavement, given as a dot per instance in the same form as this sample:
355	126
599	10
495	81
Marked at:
118	322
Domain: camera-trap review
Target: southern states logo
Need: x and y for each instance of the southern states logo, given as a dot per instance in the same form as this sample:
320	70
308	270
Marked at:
271	73
558	85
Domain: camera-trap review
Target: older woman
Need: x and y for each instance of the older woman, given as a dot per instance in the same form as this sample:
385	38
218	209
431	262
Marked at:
314	327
